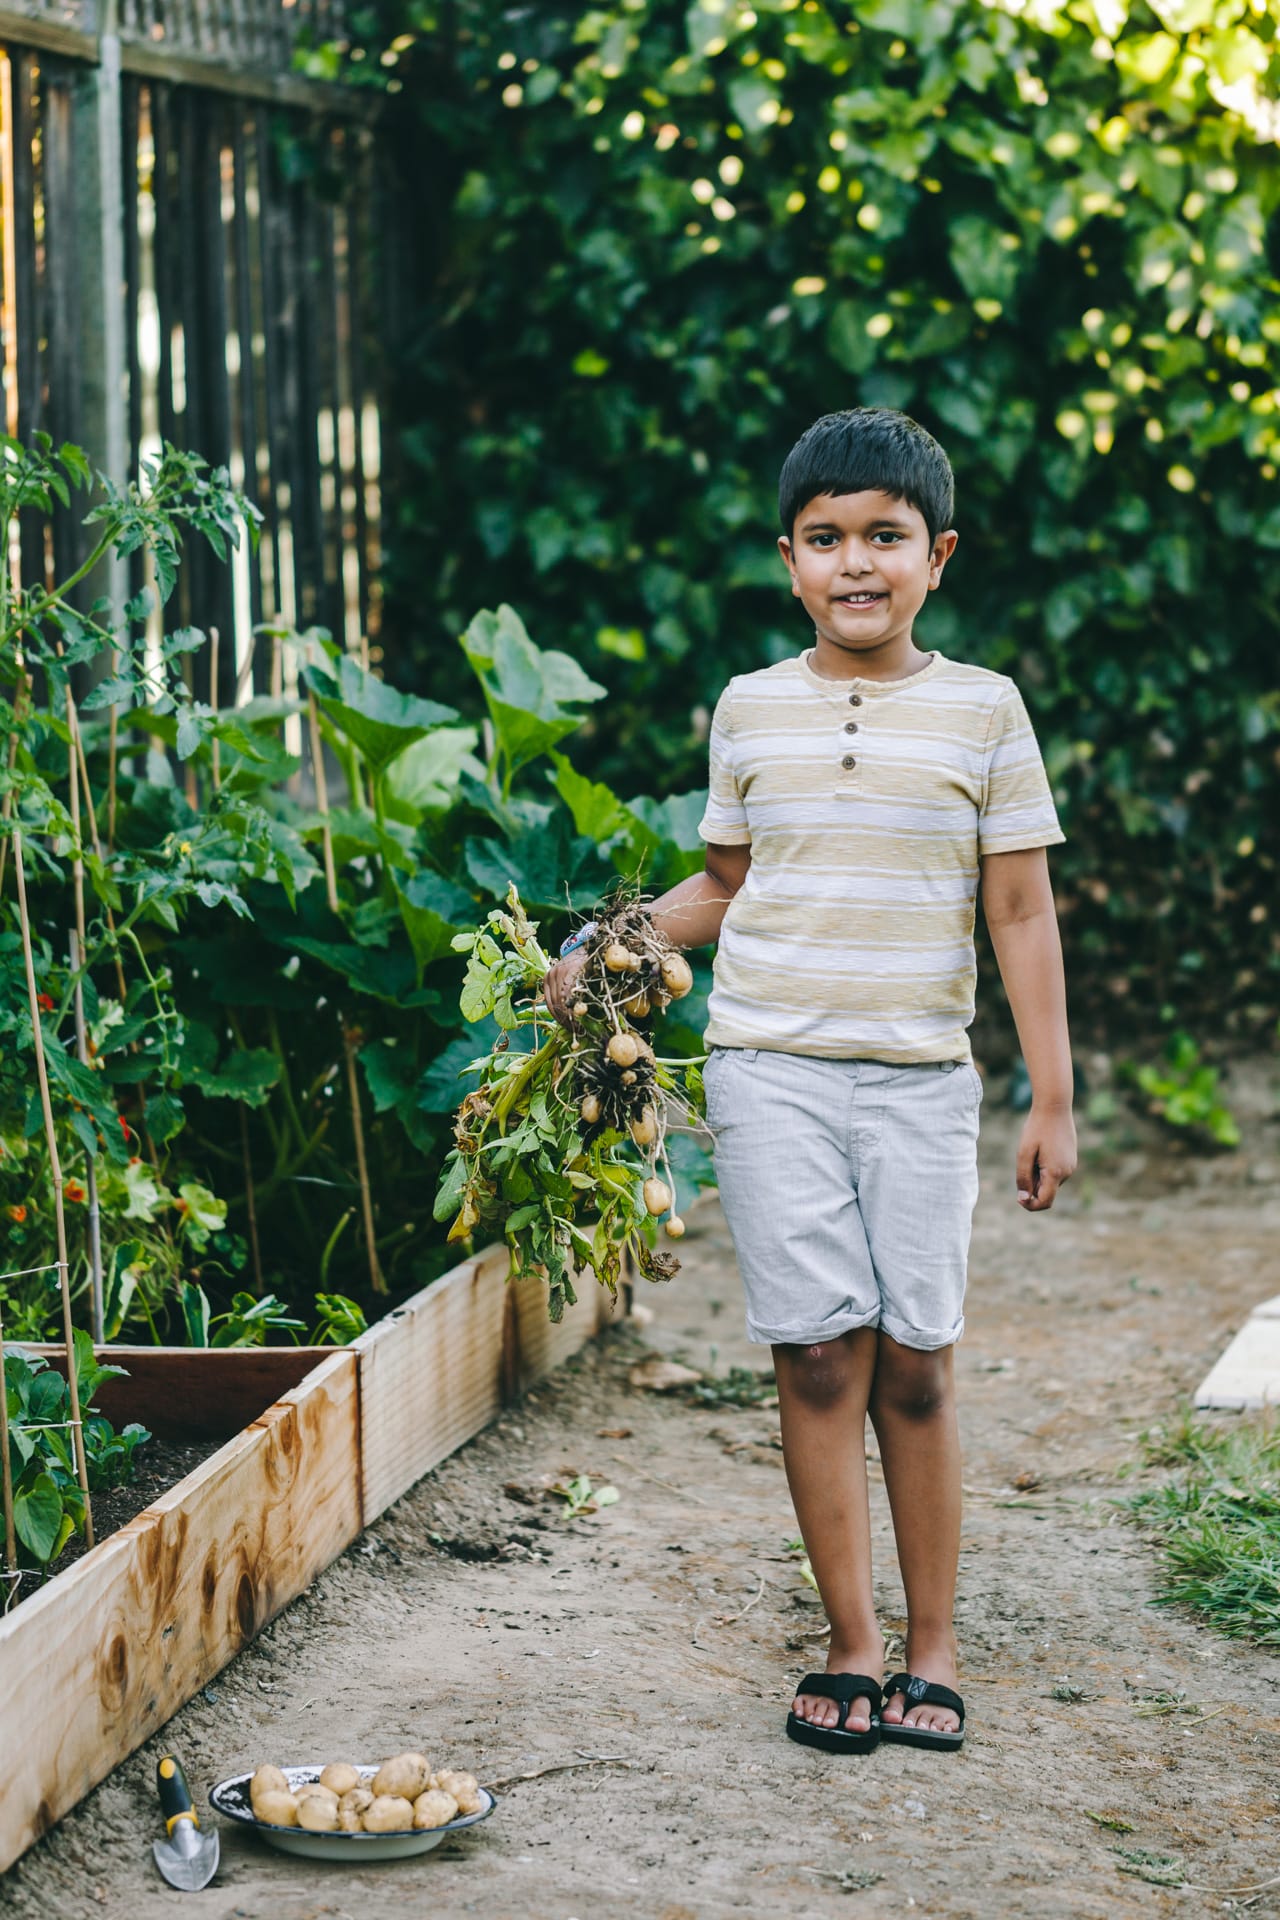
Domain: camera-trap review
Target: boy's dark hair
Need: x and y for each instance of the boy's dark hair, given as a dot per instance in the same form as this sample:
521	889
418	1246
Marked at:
865	450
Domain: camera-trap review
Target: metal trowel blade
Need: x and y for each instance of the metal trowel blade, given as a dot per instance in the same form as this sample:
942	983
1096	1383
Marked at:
190	1860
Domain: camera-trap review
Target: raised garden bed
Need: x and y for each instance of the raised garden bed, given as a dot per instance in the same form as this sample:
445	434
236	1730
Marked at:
102	1655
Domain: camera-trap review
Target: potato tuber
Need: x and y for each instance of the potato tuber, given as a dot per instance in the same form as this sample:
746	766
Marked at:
390	1813
464	1787
406	1776
644	1131
623	1049
268	1780
276	1808
318	1812
677	975
620	959
340	1778
674	1228
657	1196
435	1808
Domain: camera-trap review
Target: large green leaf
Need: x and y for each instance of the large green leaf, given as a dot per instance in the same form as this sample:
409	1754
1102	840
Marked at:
532	693
37	1516
433	910
425	777
380	721
551	869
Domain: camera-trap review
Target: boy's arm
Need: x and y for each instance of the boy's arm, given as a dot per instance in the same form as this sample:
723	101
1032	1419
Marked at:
690	915
1018	903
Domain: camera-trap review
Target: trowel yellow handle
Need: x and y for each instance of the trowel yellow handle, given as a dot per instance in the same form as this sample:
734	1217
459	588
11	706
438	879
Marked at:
175	1795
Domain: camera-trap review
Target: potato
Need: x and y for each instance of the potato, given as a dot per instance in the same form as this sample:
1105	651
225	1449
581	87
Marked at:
405	1776
276	1809
268	1780
390	1813
340	1778
318	1812
623	1050
434	1809
357	1801
464	1787
657	1195
349	1821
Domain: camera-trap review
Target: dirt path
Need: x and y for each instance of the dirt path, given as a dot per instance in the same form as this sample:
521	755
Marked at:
666	1632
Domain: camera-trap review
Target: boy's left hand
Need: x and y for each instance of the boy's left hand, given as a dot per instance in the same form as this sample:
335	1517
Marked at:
1046	1157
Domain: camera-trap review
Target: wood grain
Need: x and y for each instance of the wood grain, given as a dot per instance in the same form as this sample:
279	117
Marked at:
439	1369
107	1652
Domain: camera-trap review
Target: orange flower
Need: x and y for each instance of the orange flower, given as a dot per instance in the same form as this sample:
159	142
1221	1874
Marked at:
45	1000
16	1214
74	1190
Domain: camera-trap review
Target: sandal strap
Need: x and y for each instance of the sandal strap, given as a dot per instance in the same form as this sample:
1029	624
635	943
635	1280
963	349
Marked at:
924	1693
844	1688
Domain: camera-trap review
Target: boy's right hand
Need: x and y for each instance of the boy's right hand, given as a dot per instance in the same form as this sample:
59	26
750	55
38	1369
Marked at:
559	986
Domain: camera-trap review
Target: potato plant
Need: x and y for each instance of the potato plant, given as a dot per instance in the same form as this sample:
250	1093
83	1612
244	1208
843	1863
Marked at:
562	1144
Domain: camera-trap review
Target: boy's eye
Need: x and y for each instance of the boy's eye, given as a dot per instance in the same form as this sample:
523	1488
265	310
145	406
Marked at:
886	533
822	540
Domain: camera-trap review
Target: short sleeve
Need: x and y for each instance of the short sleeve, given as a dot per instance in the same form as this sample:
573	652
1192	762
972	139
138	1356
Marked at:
1017	807
724	824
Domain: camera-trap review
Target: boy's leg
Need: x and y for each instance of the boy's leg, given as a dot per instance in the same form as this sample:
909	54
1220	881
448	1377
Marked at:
822	1400
913	1410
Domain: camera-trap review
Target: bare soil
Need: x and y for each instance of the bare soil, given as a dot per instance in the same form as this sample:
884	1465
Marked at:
638	1662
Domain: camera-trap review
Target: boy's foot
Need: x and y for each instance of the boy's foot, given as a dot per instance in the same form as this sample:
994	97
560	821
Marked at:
933	1663
820	1712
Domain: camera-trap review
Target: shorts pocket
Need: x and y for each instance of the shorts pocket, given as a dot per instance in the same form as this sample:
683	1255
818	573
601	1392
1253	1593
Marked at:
713	1078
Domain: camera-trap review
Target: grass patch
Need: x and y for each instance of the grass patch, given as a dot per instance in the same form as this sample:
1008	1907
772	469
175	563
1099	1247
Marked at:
1217	1521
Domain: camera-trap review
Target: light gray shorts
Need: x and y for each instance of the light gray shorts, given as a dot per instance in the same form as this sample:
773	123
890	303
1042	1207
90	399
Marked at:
849	1189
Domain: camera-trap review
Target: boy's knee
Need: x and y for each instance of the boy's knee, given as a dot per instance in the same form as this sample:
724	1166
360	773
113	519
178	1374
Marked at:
819	1375
914	1385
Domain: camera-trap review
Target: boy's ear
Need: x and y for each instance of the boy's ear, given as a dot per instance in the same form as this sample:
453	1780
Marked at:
943	548
784	548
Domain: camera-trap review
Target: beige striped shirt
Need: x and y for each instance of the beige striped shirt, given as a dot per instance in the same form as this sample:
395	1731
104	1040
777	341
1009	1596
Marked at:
867	806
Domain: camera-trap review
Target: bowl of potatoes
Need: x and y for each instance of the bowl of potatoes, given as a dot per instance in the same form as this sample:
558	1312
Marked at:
347	1811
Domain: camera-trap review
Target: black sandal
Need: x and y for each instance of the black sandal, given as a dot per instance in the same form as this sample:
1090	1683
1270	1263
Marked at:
844	1688
923	1693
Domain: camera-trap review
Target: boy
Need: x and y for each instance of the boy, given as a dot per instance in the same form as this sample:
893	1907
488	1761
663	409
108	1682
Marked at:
859	794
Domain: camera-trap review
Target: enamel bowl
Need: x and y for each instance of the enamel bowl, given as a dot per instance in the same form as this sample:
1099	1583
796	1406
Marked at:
231	1798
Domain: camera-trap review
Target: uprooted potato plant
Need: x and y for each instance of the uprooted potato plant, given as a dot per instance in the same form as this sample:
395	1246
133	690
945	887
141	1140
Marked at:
563	1144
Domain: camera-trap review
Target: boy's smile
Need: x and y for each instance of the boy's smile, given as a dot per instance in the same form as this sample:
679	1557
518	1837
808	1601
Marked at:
862	565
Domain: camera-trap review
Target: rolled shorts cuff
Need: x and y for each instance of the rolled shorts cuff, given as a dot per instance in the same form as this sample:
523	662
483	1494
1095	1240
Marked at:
922	1339
829	1330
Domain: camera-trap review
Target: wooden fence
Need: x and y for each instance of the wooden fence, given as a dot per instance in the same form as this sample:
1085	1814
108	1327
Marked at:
187	234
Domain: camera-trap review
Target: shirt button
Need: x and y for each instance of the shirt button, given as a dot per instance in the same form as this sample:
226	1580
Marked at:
855	699
848	761
851	726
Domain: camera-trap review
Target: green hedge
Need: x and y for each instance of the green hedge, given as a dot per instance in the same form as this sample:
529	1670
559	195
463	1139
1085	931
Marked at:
656	240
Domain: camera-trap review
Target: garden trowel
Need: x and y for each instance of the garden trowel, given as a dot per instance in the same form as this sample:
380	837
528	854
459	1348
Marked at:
188	1858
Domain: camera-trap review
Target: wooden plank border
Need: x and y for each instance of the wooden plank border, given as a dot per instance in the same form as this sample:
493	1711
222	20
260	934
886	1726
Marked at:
437	1370
103	1655
96	1661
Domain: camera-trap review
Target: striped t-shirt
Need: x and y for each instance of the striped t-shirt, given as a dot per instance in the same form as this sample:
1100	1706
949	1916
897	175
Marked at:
866	805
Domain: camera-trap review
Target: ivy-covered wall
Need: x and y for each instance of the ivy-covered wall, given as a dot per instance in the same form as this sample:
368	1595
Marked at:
647	243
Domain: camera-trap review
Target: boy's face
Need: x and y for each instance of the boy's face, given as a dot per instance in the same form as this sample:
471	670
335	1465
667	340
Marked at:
862	564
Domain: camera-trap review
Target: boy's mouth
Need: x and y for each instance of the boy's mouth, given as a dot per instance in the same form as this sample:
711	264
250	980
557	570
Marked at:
861	599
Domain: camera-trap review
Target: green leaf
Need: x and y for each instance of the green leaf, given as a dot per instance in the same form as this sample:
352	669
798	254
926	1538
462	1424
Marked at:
380	721
247	1076
425	776
37	1517
433	911
531	694
452	1186
195	1313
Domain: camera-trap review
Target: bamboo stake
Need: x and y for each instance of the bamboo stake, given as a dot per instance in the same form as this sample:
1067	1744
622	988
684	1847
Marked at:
87	797
112	750
213	702
350	1043
6	810
6	1471
79	947
55	1168
91	1171
322	799
251	1201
